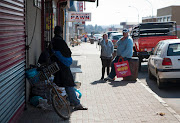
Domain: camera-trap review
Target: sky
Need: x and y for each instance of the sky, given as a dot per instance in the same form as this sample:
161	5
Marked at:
112	12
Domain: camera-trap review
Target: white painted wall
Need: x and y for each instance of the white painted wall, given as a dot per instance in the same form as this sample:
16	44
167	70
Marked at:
35	40
35	46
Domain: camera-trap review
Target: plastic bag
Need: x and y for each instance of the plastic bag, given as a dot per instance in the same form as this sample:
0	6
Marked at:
122	68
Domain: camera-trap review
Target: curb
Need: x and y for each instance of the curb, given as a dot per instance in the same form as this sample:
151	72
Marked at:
172	111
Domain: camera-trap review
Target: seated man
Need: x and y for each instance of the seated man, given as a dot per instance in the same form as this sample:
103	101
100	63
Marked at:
124	51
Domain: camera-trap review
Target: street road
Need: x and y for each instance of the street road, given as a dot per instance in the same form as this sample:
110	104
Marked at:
170	94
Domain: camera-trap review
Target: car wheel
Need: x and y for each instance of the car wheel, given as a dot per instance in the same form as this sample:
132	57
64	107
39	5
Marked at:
150	75
160	84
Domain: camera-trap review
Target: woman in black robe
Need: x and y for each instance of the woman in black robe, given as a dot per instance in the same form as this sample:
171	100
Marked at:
64	77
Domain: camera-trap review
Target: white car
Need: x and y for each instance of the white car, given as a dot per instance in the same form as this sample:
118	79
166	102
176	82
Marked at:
97	37
109	33
164	62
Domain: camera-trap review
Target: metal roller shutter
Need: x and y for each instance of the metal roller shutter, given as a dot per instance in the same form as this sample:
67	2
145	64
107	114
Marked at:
12	58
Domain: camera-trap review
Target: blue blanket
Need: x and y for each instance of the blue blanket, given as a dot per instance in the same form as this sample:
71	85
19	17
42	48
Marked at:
65	60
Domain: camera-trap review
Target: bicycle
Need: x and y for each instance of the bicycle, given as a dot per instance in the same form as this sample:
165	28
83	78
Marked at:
37	74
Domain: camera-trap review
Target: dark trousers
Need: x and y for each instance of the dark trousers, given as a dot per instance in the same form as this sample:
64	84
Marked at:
106	63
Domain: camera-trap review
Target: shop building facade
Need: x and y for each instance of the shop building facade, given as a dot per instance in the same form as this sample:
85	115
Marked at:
170	13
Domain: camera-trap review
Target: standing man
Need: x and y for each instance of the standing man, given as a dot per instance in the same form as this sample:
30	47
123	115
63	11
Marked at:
64	77
107	49
85	37
124	51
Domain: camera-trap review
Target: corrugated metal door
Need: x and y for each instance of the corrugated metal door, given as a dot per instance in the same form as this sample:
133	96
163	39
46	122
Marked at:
12	58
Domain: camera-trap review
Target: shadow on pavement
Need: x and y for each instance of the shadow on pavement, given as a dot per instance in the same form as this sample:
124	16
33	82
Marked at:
36	115
120	83
98	82
143	73
172	90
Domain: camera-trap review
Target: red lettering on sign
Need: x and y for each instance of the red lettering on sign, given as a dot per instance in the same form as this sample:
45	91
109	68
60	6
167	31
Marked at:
81	17
72	17
77	17
81	7
87	17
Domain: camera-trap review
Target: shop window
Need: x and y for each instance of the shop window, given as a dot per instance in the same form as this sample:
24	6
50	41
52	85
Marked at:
164	19
161	20
168	18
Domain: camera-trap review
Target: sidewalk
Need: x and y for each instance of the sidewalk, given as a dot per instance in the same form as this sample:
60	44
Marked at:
107	102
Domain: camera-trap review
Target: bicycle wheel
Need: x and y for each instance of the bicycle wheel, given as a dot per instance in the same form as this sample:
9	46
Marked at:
61	107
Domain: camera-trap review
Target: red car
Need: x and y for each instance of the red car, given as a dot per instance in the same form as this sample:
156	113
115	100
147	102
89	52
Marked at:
147	35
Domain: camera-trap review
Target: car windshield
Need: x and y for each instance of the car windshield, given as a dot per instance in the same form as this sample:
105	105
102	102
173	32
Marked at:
116	37
174	49
109	33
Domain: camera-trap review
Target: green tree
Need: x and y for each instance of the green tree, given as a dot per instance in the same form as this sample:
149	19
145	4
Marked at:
95	29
